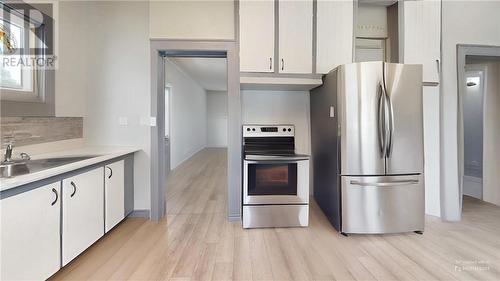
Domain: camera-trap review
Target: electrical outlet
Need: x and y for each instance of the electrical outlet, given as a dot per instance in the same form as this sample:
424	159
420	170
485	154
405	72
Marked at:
123	121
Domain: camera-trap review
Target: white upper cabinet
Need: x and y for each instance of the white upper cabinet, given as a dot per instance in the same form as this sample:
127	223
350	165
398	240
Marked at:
295	36
422	36
257	36
30	229
114	193
334	34
82	212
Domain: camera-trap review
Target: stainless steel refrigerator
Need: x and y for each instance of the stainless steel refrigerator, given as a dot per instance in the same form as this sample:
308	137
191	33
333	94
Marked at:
367	144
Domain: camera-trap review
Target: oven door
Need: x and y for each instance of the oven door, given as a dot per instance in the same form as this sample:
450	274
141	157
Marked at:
276	182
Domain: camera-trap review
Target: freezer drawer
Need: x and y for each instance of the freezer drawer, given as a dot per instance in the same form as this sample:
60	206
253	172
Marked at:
385	204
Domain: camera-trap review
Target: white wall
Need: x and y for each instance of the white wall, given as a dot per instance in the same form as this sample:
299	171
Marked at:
431	151
491	137
216	119
71	74
280	107
464	22
118	83
188	124
178	19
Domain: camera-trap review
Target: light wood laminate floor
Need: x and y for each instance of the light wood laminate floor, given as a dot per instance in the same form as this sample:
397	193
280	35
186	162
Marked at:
196	242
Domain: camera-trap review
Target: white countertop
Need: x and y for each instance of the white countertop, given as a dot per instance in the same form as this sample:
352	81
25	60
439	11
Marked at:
103	153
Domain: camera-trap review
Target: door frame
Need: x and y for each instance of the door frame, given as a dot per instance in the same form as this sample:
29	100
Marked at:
158	49
464	50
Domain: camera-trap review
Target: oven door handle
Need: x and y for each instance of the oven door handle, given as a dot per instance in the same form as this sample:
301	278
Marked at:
277	161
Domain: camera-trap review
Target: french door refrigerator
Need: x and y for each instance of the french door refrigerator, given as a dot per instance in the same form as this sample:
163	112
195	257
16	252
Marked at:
367	144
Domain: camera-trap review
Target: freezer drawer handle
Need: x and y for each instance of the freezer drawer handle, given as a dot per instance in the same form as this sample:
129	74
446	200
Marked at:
383	184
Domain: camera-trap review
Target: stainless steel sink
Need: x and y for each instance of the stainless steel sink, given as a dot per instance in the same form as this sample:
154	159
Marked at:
8	170
16	168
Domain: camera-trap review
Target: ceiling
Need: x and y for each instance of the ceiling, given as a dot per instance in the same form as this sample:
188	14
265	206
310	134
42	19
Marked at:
210	73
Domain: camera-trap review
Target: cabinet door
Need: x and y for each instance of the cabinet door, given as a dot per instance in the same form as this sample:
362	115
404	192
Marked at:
30	235
114	190
256	36
422	33
83	212
334	34
295	36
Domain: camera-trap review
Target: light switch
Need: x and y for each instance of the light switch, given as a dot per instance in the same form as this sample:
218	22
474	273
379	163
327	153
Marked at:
152	121
148	121
332	111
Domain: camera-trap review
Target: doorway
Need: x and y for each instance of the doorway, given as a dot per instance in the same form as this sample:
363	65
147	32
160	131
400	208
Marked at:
198	126
479	133
167	117
232	178
473	123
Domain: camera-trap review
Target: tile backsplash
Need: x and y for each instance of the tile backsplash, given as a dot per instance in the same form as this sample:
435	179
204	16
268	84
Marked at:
22	131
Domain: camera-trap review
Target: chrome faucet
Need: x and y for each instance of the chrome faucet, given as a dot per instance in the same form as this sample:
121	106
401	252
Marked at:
8	153
25	156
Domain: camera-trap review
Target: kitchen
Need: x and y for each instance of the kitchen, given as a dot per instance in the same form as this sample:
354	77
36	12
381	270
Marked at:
127	115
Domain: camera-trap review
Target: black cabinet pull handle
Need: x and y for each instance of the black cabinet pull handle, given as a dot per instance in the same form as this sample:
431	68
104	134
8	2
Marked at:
282	64
57	196
111	172
270	63
74	189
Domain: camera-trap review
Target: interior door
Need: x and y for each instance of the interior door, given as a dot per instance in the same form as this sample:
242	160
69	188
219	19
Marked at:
359	96
256	36
295	36
405	145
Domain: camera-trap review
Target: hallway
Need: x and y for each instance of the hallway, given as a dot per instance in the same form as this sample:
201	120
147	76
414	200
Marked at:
196	242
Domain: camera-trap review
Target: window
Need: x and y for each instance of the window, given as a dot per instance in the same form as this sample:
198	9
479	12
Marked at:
27	59
19	76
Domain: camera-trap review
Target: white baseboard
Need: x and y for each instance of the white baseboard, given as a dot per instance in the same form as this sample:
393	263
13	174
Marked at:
473	187
187	157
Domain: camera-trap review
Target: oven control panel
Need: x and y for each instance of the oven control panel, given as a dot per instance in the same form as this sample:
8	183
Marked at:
268	131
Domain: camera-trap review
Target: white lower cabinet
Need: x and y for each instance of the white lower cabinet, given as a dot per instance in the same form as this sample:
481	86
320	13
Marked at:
43	227
114	193
30	234
83	212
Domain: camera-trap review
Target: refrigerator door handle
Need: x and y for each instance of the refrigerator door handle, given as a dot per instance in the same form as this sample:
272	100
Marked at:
382	126
384	184
391	125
